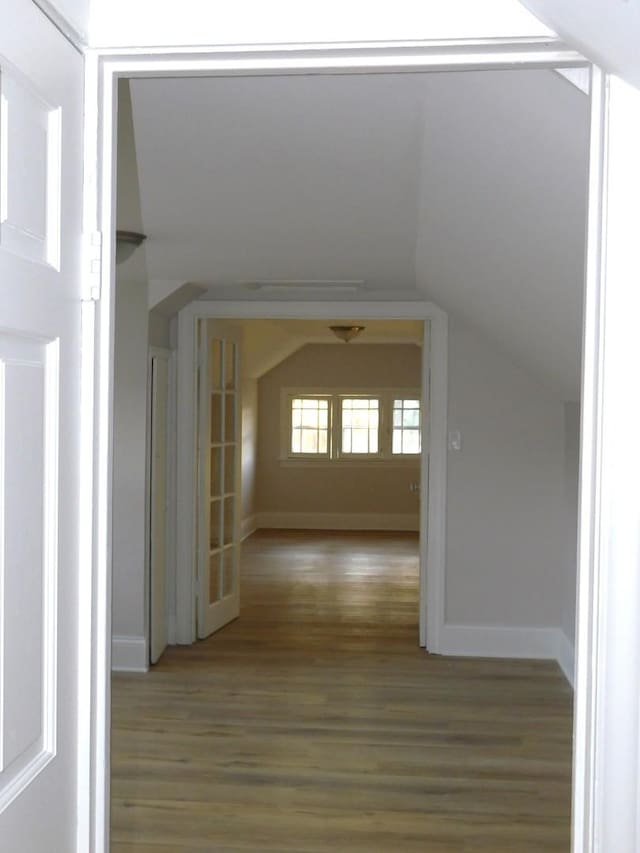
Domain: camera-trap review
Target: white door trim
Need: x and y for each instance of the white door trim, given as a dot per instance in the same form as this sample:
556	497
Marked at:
167	356
433	480
595	657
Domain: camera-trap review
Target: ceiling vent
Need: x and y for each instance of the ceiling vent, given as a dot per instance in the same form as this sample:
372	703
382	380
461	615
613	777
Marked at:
305	284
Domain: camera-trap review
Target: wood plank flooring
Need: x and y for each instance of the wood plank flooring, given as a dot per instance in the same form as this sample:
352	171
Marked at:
314	723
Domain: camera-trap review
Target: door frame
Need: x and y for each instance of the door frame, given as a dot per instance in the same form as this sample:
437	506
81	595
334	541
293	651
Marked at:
433	462
598	661
168	356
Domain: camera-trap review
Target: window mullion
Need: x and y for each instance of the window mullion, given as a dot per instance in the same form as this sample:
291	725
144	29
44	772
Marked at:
336	426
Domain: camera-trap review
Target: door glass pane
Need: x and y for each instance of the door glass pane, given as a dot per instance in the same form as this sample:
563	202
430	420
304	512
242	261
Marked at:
215	364
228	520
229	416
215	426
229	469
214	524
215	472
229	364
214	577
228	573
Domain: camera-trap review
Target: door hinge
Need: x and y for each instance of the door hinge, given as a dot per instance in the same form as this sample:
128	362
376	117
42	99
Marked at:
93	266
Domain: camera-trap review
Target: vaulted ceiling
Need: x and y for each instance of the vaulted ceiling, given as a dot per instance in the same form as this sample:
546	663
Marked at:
468	189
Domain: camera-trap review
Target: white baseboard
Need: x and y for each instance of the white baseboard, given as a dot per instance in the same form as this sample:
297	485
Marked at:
566	656
129	654
248	526
493	641
338	521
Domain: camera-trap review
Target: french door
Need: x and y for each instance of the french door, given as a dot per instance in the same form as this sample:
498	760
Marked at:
219	438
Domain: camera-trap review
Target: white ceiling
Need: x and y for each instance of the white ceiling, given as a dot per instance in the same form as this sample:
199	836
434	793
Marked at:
465	188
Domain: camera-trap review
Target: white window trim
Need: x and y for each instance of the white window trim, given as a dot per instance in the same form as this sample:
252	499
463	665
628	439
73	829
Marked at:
384	458
286	427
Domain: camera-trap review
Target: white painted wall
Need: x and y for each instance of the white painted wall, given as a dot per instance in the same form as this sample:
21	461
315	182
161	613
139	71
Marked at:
129	465
605	31
470	187
571	479
608	32
162	22
130	415
159	330
502	214
74	12
506	544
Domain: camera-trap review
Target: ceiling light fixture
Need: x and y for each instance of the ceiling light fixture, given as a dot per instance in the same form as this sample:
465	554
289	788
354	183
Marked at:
126	244
346	333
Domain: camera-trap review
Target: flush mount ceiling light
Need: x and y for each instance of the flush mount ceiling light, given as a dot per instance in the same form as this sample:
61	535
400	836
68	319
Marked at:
126	244
346	333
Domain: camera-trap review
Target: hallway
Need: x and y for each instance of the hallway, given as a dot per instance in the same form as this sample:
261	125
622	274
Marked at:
315	723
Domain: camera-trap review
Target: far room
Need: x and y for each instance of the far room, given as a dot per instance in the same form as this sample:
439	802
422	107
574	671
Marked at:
346	420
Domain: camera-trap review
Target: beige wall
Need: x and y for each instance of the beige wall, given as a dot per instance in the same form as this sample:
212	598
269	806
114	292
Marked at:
381	489
249	452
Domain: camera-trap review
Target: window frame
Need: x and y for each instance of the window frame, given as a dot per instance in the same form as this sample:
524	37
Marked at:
334	456
405	429
301	454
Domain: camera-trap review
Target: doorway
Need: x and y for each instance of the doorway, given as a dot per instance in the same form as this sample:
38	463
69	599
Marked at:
356	313
282	440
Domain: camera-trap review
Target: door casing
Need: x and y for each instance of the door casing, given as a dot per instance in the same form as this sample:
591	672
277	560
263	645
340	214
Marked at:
594	656
433	462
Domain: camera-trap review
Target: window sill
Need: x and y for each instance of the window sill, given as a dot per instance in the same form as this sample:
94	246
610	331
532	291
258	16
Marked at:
379	462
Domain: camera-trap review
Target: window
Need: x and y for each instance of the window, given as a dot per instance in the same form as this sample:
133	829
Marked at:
406	426
360	421
349	426
310	426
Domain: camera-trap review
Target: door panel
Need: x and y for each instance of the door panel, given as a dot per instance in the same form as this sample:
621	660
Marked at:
219	481
28	453
41	79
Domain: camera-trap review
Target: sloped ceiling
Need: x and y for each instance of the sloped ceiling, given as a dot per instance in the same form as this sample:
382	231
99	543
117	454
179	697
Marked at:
467	188
268	342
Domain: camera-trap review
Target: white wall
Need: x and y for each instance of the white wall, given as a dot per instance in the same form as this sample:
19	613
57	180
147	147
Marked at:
506	553
571	482
162	22
129	480
130	416
75	12
608	33
159	330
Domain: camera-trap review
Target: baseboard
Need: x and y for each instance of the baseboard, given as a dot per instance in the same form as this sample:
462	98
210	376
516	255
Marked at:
566	657
338	521
492	641
129	654
248	526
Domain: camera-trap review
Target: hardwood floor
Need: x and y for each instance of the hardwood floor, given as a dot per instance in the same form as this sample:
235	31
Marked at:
315	723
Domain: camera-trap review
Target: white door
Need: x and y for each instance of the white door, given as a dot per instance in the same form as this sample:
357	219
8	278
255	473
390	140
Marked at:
158	458
41	80
219	436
